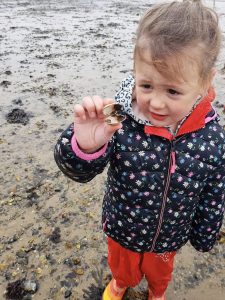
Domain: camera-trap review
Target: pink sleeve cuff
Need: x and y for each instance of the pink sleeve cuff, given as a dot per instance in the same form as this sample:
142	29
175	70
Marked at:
86	156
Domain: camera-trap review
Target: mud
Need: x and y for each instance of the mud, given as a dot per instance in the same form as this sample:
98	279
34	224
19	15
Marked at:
18	116
53	53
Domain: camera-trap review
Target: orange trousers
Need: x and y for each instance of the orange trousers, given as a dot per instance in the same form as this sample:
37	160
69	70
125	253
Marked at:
128	267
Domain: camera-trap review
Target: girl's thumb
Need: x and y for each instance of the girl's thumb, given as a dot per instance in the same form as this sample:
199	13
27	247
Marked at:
111	129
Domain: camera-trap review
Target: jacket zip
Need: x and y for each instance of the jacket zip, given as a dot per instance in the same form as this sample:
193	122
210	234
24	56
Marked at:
164	196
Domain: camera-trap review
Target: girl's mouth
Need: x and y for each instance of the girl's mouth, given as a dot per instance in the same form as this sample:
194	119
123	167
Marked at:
157	116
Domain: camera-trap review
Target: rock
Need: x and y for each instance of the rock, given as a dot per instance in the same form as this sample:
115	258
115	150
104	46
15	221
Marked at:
56	109
41	124
93	292
8	275
70	275
15	290
17	115
55	237
76	260
47	214
22	261
12	239
5	83
223	69
79	271
35	231
33	198
21	254
67	294
3	266
72	261
51	75
30	286
65	283
218	104
211	269
28	297
69	262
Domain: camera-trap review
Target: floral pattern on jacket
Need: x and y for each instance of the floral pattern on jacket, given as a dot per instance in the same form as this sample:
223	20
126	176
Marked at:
147	206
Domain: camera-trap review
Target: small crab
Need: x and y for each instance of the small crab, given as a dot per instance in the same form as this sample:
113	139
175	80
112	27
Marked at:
114	113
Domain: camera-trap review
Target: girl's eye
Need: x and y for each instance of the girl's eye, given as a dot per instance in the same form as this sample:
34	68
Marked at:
173	92
146	86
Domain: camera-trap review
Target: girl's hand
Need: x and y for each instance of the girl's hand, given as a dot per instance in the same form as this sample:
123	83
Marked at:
91	131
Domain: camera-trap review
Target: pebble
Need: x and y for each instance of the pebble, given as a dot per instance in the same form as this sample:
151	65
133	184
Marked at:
5	83
12	239
63	194
67	294
65	283
21	254
35	231
17	102
55	237
30	286
70	275
20	289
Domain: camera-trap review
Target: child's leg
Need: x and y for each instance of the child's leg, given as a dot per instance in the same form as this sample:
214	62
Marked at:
158	270
124	265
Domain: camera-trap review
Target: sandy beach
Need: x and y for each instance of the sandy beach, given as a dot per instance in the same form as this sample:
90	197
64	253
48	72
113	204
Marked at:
53	53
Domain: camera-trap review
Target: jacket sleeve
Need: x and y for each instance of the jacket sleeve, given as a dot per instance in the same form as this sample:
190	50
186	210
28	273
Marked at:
74	167
209	214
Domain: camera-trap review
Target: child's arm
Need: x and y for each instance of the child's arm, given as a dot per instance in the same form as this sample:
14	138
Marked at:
84	149
76	168
209	214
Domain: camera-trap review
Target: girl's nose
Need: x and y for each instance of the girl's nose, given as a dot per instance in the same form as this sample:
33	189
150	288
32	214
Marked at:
156	101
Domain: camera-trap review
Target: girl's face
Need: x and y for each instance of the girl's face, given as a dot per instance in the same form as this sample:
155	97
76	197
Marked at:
161	101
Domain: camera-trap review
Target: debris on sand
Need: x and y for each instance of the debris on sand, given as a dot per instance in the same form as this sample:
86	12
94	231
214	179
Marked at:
17	290
55	237
54	53
221	237
55	108
17	115
5	83
17	101
93	292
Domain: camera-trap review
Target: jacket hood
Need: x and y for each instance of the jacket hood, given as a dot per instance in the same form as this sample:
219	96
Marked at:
201	113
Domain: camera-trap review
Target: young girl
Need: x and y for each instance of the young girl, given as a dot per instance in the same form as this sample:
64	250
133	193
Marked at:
166	176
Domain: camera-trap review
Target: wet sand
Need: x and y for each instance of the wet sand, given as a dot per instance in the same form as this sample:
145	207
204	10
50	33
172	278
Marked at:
52	53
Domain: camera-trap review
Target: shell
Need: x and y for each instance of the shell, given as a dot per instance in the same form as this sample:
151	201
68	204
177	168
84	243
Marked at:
114	113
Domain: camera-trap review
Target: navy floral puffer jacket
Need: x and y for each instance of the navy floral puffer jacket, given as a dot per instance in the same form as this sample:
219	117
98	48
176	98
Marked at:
162	190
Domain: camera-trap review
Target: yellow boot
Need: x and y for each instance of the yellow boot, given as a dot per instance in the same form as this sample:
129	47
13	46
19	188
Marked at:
112	292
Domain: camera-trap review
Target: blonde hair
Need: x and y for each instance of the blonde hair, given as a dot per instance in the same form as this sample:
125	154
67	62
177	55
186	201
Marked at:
171	31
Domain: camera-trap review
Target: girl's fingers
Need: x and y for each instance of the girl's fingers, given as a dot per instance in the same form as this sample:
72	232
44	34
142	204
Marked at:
98	102
89	106
108	101
79	112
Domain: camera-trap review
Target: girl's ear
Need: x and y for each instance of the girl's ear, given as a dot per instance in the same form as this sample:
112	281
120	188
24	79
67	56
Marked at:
212	74
209	80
